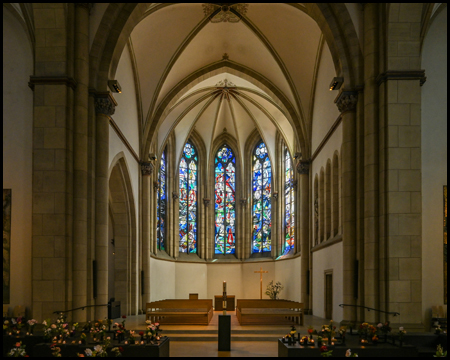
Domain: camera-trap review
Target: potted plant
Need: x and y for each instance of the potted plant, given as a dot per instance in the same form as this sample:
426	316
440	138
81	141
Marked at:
274	289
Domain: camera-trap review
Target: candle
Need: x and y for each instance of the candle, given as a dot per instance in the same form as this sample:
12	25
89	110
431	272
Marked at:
79	342
332	344
142	343
126	342
28	334
224	286
64	342
312	341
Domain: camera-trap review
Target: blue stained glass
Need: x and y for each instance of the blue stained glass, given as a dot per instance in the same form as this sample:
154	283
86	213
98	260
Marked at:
225	202
261	184
161	204
289	205
188	200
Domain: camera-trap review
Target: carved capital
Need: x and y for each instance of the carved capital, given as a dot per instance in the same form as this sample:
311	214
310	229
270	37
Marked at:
206	201
346	101
303	167
243	202
146	168
105	104
275	195
155	186
174	195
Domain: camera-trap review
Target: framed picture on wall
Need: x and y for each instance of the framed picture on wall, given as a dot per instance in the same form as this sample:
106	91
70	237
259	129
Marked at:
6	244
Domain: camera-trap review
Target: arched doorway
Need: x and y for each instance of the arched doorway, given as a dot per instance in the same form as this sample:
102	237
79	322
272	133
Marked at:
122	252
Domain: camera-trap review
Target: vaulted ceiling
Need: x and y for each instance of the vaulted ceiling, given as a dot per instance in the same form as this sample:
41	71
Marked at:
278	42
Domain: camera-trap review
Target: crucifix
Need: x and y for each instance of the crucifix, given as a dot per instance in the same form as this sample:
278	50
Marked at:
260	281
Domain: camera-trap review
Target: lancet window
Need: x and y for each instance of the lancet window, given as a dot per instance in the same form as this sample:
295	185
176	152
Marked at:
225	202
289	202
262	207
161	204
188	185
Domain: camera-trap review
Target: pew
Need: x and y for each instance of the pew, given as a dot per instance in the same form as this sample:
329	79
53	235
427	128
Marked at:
258	312
180	311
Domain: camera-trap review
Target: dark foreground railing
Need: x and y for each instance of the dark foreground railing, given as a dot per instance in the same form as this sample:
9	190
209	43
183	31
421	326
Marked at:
371	309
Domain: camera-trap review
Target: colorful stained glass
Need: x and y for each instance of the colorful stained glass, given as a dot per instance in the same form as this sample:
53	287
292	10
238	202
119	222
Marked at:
289	204
188	199
161	204
262	207
225	204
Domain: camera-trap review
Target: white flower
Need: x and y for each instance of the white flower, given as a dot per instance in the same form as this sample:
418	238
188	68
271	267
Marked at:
401	328
88	352
44	323
348	353
380	325
53	326
148	322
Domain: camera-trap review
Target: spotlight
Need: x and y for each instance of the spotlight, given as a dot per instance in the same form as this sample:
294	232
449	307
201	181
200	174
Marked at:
114	86
336	83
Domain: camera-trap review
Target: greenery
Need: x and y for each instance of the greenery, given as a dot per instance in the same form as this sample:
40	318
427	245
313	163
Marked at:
274	289
440	352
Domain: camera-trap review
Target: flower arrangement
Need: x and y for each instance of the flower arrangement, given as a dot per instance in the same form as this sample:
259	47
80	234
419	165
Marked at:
132	337
57	331
56	351
83	338
328	331
440	352
385	328
17	351
117	351
401	333
274	289
324	352
349	353
99	349
438	330
98	331
31	324
152	331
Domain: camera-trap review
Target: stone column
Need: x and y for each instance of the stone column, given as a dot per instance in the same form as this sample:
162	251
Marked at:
346	103
147	187
104	108
80	164
371	161
303	234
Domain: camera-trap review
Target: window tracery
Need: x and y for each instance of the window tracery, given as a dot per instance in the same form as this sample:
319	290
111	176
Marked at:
161	204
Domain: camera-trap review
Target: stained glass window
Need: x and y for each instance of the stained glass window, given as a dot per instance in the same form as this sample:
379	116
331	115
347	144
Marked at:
188	199
225	204
262	183
161	204
289	204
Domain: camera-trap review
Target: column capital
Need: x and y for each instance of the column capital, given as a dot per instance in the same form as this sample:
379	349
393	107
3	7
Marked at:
146	168
105	103
303	167
206	201
243	201
346	101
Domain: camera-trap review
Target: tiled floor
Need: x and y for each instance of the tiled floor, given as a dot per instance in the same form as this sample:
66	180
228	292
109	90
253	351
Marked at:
183	348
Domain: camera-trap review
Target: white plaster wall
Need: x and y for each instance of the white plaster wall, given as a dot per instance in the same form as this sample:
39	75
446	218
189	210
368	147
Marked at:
329	258
126	114
177	280
434	161
325	111
17	152
162	279
186	282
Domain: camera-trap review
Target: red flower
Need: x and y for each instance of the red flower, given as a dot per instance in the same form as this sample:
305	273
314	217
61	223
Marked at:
18	344
323	348
141	333
124	316
121	349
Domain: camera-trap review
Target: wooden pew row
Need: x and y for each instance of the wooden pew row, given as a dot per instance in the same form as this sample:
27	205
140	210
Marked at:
180	311
258	312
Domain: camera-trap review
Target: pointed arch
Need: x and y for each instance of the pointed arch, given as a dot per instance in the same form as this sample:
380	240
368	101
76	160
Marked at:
124	222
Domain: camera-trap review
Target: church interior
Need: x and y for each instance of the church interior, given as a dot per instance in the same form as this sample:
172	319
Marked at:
286	161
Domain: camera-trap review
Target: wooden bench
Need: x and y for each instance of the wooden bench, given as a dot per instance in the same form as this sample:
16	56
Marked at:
258	312
180	311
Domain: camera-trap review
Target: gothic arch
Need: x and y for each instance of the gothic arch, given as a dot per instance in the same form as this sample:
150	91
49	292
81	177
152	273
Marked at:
123	214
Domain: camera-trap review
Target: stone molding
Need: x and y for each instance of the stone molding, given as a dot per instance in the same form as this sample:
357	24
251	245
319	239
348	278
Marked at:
206	201
303	167
52	80
346	101
174	195
147	168
105	104
402	75
243	202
